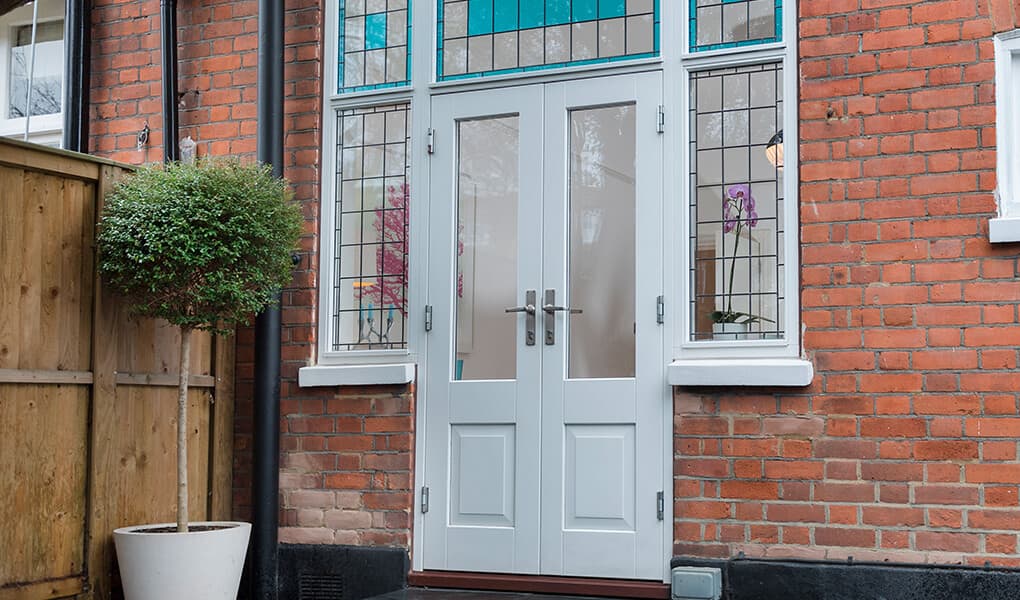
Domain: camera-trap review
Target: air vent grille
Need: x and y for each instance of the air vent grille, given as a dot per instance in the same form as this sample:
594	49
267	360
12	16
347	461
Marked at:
314	586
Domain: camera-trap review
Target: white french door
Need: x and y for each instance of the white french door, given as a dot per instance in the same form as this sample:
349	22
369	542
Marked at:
544	448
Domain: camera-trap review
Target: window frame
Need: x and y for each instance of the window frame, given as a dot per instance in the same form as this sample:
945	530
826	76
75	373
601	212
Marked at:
335	367
1005	227
707	362
762	362
43	129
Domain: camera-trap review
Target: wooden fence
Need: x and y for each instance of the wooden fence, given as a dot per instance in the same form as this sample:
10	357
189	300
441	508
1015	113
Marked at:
87	393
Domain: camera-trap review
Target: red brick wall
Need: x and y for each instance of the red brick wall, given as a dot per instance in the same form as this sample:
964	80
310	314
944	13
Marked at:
905	446
346	454
347	467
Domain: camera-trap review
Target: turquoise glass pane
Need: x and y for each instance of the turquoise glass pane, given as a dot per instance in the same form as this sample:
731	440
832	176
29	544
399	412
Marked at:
374	48
584	10
505	18
609	9
532	13
375	31
473	38
557	12
479	17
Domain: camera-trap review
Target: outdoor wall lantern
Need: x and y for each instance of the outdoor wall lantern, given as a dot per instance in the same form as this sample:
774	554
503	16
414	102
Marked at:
774	150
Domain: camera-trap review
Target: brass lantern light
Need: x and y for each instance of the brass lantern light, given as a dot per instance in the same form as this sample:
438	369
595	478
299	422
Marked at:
774	150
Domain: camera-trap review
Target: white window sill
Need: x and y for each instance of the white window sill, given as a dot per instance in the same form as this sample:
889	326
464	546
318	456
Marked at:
766	372
1004	229
333	375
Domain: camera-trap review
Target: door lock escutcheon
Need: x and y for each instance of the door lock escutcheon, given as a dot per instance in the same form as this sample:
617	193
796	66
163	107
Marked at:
529	311
550	308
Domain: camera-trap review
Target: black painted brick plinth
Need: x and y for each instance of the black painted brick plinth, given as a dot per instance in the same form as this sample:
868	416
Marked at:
326	572
754	579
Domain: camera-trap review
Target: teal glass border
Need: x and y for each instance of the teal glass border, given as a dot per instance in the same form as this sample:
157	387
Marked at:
341	30
693	30
656	18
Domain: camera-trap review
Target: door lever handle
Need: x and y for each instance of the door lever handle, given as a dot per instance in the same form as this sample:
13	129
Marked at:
529	319
550	309
527	308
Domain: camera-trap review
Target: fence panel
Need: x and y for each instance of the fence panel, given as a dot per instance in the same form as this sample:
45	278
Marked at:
87	392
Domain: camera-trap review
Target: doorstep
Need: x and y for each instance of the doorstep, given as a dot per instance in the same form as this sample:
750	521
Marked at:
446	594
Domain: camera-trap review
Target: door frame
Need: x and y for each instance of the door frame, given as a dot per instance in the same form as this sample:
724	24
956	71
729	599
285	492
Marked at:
423	118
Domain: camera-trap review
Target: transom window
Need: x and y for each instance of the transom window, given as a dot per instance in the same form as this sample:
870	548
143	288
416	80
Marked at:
490	37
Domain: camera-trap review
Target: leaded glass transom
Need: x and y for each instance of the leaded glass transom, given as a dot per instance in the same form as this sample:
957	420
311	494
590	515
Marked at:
716	24
375	41
491	37
736	204
370	238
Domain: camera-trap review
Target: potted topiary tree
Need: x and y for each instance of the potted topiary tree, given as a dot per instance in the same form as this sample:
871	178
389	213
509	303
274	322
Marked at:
203	246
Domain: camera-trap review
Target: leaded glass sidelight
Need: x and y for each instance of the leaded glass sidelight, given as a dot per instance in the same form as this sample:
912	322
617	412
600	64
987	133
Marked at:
490	37
716	24
736	204
374	42
370	240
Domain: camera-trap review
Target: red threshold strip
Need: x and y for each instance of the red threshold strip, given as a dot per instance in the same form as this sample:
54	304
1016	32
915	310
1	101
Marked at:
540	584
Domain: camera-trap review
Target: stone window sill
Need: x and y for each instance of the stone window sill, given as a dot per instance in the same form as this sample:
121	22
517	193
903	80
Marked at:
764	372
334	375
1004	229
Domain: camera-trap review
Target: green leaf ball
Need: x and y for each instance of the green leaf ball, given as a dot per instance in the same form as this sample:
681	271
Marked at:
203	245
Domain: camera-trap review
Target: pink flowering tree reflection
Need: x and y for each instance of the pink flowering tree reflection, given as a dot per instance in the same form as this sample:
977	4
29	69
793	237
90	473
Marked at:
389	288
391	255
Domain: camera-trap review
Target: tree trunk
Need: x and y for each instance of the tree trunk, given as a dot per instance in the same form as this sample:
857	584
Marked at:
182	432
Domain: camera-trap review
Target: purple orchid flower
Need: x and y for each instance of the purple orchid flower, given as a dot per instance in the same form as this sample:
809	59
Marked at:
739	198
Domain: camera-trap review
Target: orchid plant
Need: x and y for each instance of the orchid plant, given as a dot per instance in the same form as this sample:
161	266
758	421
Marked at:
738	212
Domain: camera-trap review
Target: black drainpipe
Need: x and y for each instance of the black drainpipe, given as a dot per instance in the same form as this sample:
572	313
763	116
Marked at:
77	71
168	58
266	411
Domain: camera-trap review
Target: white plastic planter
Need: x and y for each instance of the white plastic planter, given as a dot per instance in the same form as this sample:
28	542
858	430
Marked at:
197	565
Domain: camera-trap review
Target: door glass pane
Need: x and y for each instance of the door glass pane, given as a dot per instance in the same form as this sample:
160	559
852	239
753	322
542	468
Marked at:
487	194
601	262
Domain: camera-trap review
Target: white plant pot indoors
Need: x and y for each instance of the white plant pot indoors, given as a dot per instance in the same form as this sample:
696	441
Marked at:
197	565
730	331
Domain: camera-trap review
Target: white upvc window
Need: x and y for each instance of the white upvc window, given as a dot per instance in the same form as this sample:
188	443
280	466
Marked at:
736	269
38	81
1006	227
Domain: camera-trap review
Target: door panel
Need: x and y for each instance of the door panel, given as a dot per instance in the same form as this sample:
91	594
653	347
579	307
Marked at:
483	386
543	444
601	390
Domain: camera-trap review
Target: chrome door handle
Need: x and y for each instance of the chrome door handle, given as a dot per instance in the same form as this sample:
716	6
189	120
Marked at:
529	320
527	308
550	308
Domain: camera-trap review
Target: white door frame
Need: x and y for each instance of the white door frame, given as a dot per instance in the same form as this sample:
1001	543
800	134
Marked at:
653	357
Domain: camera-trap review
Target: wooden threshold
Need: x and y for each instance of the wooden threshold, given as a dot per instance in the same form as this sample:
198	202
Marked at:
540	584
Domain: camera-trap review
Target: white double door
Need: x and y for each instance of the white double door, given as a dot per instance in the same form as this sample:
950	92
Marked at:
544	386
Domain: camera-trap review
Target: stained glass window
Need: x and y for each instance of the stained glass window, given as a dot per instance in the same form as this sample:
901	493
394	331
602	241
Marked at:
490	37
736	207
370	288
375	41
716	24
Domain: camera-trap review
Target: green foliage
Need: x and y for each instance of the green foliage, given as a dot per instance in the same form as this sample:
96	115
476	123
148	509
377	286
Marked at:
202	245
